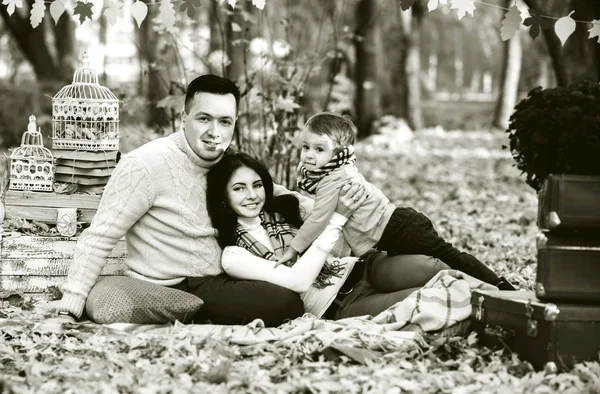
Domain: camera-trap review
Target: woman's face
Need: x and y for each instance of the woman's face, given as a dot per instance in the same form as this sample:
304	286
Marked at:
246	193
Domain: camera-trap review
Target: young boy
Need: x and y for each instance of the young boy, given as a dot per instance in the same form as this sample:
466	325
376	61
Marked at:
326	163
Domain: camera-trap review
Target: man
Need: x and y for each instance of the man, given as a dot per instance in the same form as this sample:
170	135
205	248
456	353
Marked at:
156	197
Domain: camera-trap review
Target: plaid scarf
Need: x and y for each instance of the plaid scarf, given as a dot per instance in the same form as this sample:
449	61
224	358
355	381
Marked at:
310	178
281	235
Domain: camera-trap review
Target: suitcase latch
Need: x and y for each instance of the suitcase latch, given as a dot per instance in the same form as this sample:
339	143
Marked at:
541	240
479	311
532	326
551	312
553	219
540	290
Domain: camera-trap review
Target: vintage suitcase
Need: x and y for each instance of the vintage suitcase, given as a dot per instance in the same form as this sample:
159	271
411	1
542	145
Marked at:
568	267
550	336
569	202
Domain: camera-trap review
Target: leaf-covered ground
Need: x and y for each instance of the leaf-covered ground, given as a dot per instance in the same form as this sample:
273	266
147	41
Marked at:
464	182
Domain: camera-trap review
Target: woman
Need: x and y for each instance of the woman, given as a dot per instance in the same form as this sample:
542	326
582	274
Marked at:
255	228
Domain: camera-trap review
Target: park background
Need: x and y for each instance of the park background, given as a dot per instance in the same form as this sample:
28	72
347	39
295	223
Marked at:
431	94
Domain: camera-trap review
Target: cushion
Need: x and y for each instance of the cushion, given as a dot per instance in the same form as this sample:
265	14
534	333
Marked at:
121	299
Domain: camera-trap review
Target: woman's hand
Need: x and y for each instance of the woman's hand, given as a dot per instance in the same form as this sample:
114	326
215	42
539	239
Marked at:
351	197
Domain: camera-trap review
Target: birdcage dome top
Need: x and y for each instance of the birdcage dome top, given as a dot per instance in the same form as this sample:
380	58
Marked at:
32	146
85	86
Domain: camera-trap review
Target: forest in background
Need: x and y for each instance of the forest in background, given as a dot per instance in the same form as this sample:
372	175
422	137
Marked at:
366	58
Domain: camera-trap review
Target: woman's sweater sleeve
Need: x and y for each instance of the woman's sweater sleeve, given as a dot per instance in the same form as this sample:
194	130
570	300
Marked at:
242	264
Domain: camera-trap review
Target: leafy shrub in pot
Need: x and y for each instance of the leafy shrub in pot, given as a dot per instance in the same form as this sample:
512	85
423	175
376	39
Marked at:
557	131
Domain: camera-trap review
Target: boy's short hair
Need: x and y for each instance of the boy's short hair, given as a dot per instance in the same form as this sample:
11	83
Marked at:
339	128
210	83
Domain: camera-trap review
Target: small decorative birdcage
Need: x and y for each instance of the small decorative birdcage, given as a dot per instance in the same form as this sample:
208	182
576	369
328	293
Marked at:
31	164
85	115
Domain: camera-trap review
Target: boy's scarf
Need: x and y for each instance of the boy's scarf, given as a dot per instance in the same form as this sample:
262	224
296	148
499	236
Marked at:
281	235
310	178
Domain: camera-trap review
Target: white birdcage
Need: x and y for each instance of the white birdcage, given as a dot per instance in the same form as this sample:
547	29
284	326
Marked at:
31	164
85	115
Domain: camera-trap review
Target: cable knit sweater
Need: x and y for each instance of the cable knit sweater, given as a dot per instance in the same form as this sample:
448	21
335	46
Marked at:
156	197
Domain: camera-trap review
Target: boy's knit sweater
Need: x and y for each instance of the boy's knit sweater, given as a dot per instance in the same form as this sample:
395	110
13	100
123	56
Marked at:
157	198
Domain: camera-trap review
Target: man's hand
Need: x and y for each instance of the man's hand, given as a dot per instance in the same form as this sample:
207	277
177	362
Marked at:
61	319
52	309
290	255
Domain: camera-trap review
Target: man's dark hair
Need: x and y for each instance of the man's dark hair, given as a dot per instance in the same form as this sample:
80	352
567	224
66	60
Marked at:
210	83
222	216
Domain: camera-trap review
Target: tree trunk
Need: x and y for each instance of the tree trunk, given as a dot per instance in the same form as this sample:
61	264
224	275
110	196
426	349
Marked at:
432	71
157	87
32	44
554	48
412	69
64	38
509	80
218	35
367	42
236	45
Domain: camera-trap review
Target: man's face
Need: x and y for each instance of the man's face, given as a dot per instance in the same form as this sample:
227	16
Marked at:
210	123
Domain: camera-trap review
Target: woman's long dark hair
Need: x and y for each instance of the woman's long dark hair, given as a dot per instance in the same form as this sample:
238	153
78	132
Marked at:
224	219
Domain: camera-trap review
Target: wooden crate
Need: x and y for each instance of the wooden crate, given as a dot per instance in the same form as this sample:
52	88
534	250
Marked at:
43	207
30	264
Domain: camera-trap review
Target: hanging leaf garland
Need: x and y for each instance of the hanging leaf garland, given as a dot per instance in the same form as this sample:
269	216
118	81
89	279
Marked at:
463	7
113	12
260	4
595	30
37	13
11	5
537	22
511	23
57	8
190	6
564	27
139	11
167	13
406	4
84	10
433	4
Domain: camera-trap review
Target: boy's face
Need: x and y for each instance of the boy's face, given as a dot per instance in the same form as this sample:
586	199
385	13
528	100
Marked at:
210	123
316	150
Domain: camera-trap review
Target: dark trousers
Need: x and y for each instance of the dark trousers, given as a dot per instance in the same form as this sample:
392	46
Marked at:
411	232
232	301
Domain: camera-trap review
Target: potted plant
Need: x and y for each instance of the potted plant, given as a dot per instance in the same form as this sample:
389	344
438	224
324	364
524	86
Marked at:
557	131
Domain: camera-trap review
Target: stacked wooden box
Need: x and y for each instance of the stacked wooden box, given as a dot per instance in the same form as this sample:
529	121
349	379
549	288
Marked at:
42	206
89	170
85	142
31	265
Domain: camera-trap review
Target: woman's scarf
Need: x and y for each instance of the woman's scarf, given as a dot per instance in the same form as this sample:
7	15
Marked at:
309	179
281	235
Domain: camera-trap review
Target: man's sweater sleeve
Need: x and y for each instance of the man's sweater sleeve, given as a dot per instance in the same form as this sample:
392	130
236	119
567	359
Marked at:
325	203
126	198
242	264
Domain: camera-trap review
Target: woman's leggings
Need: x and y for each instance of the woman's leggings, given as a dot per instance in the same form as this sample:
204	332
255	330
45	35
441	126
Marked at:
388	280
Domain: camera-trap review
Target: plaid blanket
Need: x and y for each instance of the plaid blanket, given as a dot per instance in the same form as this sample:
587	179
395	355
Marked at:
442	303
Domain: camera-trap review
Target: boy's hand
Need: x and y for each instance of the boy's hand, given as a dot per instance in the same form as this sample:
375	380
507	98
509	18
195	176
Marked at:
290	255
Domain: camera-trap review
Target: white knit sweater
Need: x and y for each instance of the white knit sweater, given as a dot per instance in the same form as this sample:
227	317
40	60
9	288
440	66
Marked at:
156	197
